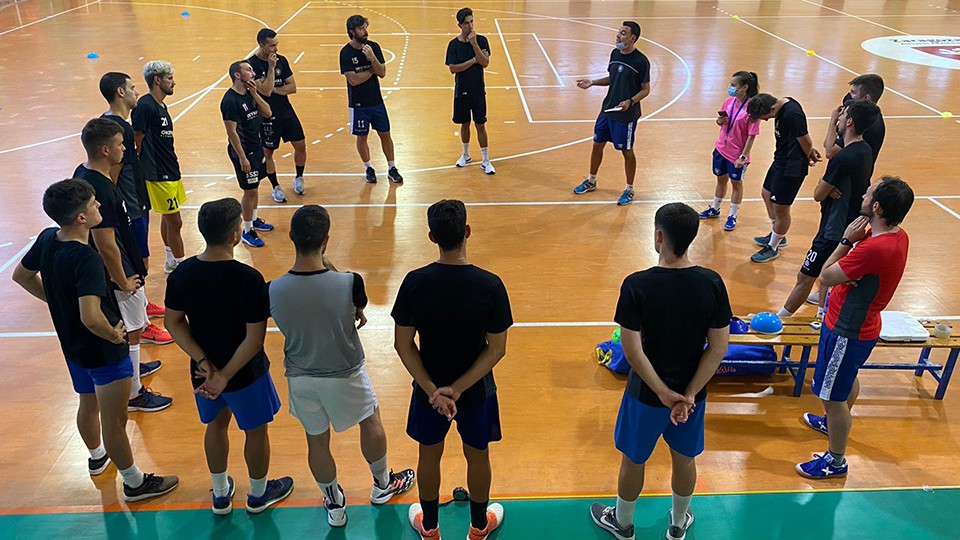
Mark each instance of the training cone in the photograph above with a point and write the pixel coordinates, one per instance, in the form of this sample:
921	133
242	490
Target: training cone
93	56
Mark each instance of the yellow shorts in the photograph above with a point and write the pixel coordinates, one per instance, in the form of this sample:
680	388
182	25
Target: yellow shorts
166	197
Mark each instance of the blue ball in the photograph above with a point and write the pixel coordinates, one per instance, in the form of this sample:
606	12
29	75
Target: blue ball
766	322
93	55
738	326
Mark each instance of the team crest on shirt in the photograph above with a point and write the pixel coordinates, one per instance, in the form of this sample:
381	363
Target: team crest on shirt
619	69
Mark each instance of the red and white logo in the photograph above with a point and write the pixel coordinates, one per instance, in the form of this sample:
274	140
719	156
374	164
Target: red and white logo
933	51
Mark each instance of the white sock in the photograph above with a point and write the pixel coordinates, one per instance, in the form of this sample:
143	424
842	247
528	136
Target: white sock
820	312
629	187
169	254
624	512
368	164
179	260
784	313
716	203
221	485
734	208
135	360
485	153
391	165
255	213
132	477
98	452
775	240
466	149
258	486
379	470
592	178
247	226
680	506
332	492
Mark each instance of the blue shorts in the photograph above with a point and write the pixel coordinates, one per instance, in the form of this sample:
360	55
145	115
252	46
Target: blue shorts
141	229
478	426
253	405
620	134
838	361
639	427
723	166
363	118
84	380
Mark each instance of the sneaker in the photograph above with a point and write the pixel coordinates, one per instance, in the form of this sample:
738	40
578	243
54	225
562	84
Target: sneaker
766	254
415	515
494	519
298	186
278	195
814	298
817	423
169	267
605	518
585	187
260	225
730	224
675	532
822	466
488	168
154	311
625	198
97	466
371	177
149	368
156	335
764	240
710	213
462	162
251	239
148	401
336	513
152	486
400	482
394	175
277	490
224	505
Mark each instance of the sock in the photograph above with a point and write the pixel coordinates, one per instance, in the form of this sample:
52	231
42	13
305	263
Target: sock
629	187
368	164
716	203
258	486
255	214
592	178
485	153
820	312
734	208
391	165
624	512
169	254
179	260
273	179
680	506
135	360
784	313
838	459
98	452
132	477
775	240
300	170
380	475
478	514
431	514
332	492
466	149
247	226
221	485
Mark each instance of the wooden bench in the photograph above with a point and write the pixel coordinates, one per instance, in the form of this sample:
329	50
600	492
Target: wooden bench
797	332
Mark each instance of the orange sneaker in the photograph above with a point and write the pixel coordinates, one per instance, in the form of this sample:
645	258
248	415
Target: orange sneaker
415	514
154	334
154	311
494	519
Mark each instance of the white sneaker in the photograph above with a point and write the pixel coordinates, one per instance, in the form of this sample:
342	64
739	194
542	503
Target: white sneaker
278	195
814	298
462	162
488	168
298	185
336	514
169	267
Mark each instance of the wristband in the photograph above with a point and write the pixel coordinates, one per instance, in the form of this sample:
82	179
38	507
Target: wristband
845	242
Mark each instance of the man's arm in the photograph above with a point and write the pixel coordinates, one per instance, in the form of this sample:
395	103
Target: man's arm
262	106
823	190
633	350
176	323
830	147
832	274
491	355
106	240
406	347
587	83
265	85
138	140
217	379
93	318
289	87
30	281
717	341
233	137
644	92
463	66
354	78
482	56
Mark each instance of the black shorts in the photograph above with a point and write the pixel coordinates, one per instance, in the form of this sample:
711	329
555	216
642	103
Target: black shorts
258	169
783	189
478	425
820	251
464	105
286	128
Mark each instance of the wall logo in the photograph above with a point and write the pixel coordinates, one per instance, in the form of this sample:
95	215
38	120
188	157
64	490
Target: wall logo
933	51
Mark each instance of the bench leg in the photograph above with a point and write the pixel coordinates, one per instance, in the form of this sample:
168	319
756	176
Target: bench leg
947	372
785	358
924	357
801	371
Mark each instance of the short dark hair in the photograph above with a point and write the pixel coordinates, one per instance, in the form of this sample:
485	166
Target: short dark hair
760	105
463	14
63	201
895	198
235	68
98	133
863	112
447	220
264	34
110	83
750	80
871	84
634	28
354	22
218	219
309	227
679	224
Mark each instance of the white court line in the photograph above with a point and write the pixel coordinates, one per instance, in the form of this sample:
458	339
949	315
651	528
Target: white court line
209	184
855	17
549	61
299	56
47	18
17	255
230	12
195	58
392	88
944	207
516	79
288	154
8	244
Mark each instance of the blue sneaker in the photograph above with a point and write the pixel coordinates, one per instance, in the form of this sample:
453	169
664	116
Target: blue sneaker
149	368
277	490
625	198
260	225
710	213
251	238
765	255
818	423
764	240
731	223
224	505
148	401
585	187
822	466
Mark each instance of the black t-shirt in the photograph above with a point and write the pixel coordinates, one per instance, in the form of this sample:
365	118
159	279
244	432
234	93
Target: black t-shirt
70	271
849	171
366	94
873	136
242	109
158	160
672	309
790	124
131	182
114	211
279	105
453	308
468	82
628	74
219	299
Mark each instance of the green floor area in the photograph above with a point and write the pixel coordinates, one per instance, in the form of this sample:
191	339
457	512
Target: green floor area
895	514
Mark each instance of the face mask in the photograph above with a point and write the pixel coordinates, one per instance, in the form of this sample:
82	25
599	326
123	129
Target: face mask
620	46
731	91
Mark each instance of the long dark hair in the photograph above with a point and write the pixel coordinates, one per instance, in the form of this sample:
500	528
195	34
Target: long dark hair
750	80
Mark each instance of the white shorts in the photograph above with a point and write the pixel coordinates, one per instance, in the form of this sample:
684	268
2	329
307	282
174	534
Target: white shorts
318	402
133	309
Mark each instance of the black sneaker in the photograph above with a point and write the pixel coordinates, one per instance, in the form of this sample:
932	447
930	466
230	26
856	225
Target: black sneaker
97	466
394	175
148	401
675	532
371	176
764	240
152	486
605	518
149	368
277	490
400	482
